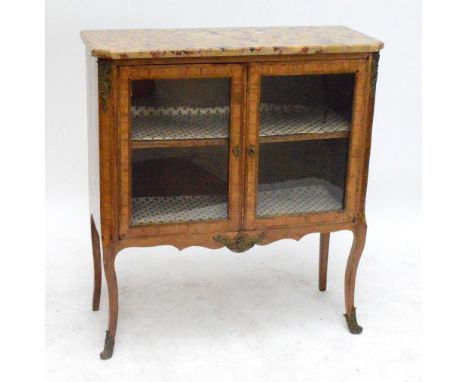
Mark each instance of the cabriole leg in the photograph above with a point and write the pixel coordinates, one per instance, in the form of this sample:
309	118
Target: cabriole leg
323	261
359	233
97	265
111	277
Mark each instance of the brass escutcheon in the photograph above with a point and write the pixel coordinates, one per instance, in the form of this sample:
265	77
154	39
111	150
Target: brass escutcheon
251	150
236	151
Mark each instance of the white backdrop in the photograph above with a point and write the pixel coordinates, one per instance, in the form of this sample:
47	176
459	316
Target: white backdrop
388	279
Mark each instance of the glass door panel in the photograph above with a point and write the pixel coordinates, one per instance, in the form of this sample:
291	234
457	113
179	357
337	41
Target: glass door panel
180	132
300	177
305	123
179	184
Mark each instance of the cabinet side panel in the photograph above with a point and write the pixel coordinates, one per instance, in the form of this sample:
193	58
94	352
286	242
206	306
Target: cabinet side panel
93	139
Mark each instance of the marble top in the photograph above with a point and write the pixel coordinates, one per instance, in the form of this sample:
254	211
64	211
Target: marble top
208	42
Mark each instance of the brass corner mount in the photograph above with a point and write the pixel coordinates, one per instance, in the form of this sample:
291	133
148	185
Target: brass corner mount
104	81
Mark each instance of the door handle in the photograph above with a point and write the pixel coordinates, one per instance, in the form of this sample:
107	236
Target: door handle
236	150
251	150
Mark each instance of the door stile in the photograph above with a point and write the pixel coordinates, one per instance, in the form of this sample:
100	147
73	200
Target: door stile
356	156
251	139
235	141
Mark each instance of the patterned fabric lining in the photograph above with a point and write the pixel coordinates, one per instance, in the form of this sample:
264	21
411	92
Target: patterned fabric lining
295	119
298	196
147	210
290	197
166	123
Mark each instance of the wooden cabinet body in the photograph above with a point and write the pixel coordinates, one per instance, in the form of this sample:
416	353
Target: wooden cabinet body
228	146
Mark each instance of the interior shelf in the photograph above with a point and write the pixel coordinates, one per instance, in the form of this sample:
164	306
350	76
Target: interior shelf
289	197
151	124
175	123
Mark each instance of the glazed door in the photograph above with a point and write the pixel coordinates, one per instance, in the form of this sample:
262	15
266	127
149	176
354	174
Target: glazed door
180	148
305	121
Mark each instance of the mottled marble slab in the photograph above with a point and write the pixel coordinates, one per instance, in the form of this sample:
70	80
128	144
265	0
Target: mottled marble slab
209	42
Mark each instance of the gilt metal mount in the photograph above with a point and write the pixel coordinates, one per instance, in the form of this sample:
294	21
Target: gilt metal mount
351	320
104	81
375	70
240	243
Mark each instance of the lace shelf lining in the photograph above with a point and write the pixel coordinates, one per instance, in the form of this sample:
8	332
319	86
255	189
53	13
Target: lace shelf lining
178	123
283	198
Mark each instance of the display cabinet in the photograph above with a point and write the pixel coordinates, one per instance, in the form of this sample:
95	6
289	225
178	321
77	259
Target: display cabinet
227	137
